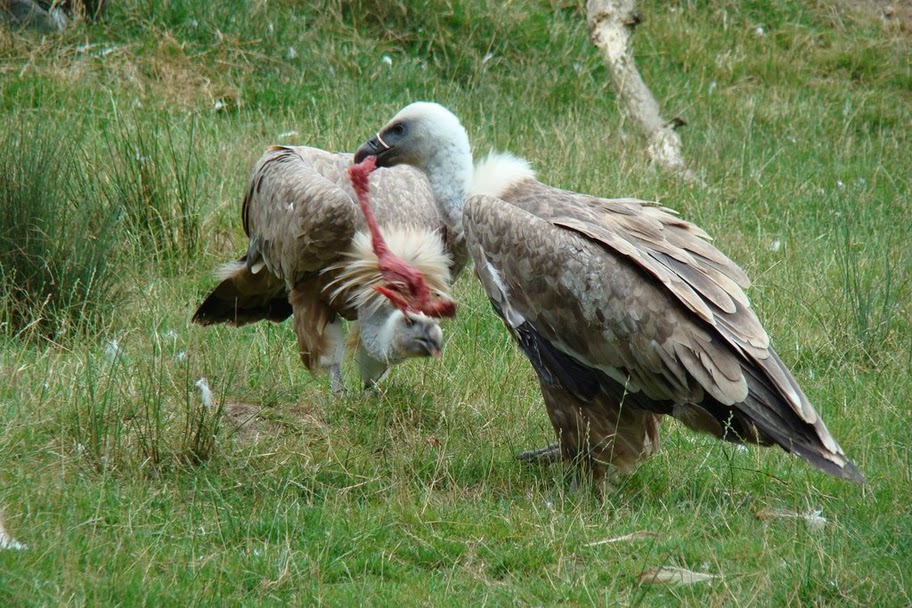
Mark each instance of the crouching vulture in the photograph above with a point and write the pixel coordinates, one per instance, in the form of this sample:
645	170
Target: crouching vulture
625	311
310	256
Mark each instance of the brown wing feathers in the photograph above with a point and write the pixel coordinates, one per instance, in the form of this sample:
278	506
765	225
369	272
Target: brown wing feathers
749	394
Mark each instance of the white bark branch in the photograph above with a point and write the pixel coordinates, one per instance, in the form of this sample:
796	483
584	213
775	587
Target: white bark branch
611	25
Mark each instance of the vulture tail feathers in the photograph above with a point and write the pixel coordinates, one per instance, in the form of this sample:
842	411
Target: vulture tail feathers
766	418
244	297
768	406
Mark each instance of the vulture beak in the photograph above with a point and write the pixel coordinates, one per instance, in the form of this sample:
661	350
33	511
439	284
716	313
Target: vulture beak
378	148
432	346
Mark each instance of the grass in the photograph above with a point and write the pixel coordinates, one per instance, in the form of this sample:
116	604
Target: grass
127	489
51	287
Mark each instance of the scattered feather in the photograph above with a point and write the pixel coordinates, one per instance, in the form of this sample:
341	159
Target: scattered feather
205	393
759	31
291	53
776	245
814	520
181	356
670	575
287	134
7	541
639	535
59	17
387	60
111	350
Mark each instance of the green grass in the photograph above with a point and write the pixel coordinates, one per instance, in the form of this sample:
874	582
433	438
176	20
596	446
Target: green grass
126	489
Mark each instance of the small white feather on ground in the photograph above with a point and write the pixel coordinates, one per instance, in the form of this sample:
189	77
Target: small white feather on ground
639	535
813	520
671	575
205	392
7	541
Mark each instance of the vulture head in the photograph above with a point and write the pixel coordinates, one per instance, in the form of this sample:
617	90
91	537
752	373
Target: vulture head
430	138
413	334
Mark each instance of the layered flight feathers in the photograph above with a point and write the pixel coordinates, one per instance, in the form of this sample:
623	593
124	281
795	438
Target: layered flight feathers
242	297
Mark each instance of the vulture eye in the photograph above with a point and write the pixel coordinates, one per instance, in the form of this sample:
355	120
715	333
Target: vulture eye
397	129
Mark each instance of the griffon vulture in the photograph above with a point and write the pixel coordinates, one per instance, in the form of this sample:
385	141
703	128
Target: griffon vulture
625	311
310	257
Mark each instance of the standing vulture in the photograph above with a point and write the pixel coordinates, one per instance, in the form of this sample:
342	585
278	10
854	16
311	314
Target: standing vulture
310	256
625	311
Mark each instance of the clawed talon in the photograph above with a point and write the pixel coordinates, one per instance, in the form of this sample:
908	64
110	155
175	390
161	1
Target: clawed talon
542	456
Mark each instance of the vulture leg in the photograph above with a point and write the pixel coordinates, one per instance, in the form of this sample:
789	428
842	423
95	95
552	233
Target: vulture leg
600	433
374	344
321	343
333	360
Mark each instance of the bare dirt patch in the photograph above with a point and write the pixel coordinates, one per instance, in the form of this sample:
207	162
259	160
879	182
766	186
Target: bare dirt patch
251	422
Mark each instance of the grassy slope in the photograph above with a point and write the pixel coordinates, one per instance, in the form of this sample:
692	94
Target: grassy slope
412	496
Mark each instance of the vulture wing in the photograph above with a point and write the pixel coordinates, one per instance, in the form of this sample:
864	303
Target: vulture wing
620	304
300	210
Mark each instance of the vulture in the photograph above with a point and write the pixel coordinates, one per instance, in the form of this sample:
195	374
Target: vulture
310	257
625	311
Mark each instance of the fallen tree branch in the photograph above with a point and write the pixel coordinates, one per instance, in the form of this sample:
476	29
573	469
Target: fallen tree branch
611	26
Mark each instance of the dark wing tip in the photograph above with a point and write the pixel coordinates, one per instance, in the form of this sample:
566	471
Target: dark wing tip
847	470
852	473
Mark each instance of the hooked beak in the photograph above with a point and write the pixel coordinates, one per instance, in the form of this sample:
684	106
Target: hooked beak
432	347
378	148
